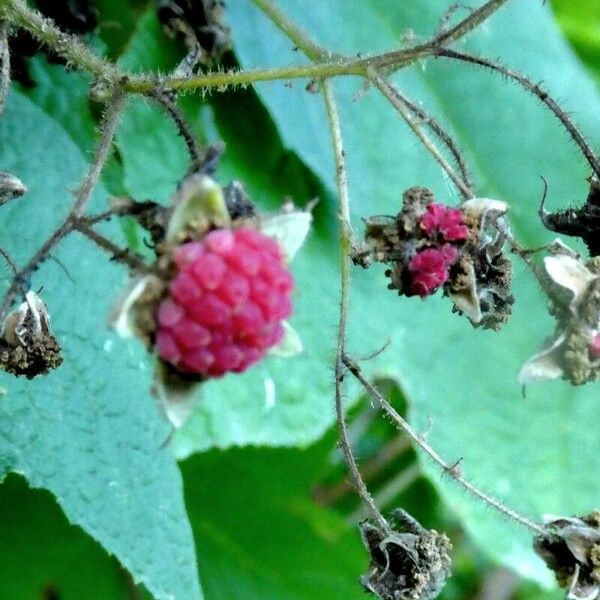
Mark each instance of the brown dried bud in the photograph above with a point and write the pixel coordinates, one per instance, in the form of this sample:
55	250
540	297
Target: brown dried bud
10	187
27	346
570	547
412	565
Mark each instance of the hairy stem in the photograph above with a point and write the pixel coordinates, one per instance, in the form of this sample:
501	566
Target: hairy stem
336	65
108	129
399	58
442	134
345	247
168	103
122	255
397	101
66	45
302	41
537	91
452	470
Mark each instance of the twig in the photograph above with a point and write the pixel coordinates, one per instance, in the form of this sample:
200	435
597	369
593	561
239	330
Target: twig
82	196
336	65
122	255
107	133
449	469
66	45
9	260
167	102
398	58
4	64
537	91
302	41
444	136
345	246
397	101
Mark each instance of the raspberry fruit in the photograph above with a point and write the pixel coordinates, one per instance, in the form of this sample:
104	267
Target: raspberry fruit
225	306
429	269
445	221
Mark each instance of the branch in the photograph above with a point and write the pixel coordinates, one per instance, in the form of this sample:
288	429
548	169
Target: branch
66	45
397	101
398	58
449	469
345	246
302	41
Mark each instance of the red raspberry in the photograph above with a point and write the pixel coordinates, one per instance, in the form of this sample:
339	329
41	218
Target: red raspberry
226	303
595	347
430	269
448	222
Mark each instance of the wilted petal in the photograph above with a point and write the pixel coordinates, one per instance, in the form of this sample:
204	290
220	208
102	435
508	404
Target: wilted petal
290	345
288	229
544	365
570	273
123	318
466	299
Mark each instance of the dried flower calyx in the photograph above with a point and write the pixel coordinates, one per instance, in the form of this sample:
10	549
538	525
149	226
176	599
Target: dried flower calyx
27	346
571	549
412	564
432	246
573	289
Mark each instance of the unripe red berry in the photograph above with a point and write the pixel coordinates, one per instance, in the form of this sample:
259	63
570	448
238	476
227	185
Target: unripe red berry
226	303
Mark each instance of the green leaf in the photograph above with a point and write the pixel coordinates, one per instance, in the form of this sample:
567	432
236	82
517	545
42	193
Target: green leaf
89	432
285	547
34	534
539	454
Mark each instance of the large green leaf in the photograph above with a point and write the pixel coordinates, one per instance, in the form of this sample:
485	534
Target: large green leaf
88	432
540	453
283	546
42	554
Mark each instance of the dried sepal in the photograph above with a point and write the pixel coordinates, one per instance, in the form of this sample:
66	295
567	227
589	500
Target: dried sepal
289	229
198	204
27	346
290	345
407	563
570	547
10	187
573	289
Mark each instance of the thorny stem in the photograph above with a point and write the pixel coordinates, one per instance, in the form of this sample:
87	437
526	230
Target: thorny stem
399	58
537	91
4	64
111	78
451	470
168	103
397	101
302	41
122	255
82	196
345	243
108	129
444	136
66	45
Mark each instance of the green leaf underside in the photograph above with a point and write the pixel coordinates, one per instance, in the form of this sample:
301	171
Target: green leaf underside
88	432
539	454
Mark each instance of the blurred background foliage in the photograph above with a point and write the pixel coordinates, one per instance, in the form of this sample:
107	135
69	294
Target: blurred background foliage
268	523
